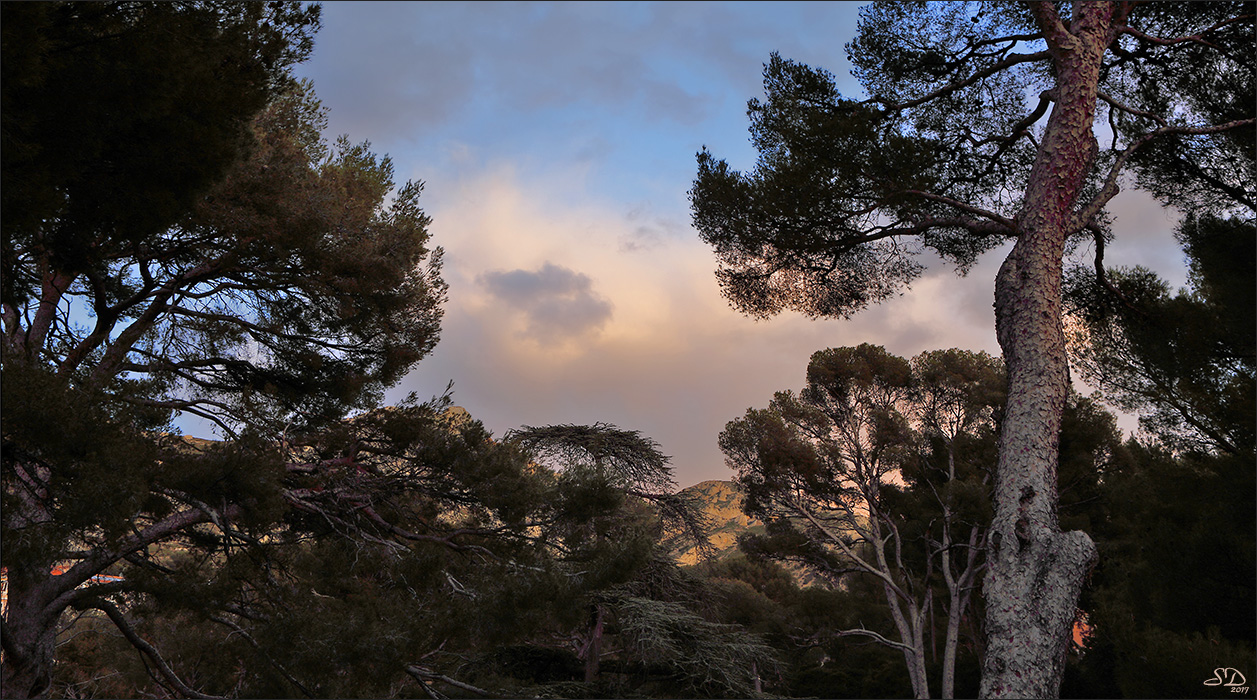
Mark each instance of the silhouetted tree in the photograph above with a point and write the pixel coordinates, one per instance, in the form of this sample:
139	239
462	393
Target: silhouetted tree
880	469
615	525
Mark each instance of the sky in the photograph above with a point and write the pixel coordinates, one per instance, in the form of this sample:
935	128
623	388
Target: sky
557	144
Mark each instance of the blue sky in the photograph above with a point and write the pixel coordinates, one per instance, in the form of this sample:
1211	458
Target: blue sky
557	144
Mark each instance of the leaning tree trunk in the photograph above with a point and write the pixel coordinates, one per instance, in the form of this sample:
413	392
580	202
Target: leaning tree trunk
1035	571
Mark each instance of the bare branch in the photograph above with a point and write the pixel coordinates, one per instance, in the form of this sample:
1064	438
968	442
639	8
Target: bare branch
1193	38
862	632
1010	38
836	539
1130	110
1006	223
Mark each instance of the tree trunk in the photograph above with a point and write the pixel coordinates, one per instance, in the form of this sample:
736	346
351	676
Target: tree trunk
954	610
912	639
958	596
29	643
30	623
37	598
593	652
1035	572
918	641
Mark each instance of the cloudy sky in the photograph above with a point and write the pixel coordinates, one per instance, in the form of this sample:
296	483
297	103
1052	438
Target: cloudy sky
557	144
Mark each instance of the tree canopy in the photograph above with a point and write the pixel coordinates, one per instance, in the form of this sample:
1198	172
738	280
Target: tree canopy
204	252
192	75
1174	589
1184	361
847	193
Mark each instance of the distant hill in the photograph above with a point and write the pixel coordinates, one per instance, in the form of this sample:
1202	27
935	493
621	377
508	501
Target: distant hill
722	502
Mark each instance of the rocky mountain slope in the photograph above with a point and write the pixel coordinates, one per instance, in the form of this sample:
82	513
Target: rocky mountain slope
722	502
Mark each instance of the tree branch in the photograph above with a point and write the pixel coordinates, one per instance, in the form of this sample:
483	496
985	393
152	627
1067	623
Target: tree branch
862	632
1110	188
1102	276
1131	110
122	345
249	638
1049	22
146	649
864	565
1194	38
254	328
195	407
61	589
53	287
974	226
990	70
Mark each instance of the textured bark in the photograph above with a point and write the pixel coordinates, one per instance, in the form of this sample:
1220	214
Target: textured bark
29	625
1035	571
921	679
949	648
31	677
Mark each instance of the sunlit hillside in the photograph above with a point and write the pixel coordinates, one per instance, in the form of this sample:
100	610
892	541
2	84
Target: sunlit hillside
722	502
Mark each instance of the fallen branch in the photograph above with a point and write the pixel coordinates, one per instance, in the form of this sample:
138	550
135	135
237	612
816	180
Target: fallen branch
423	675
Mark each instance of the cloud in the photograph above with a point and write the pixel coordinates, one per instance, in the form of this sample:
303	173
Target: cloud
557	303
646	232
366	61
401	71
568	308
407	74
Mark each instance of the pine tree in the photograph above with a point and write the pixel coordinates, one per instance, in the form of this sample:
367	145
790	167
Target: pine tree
948	154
